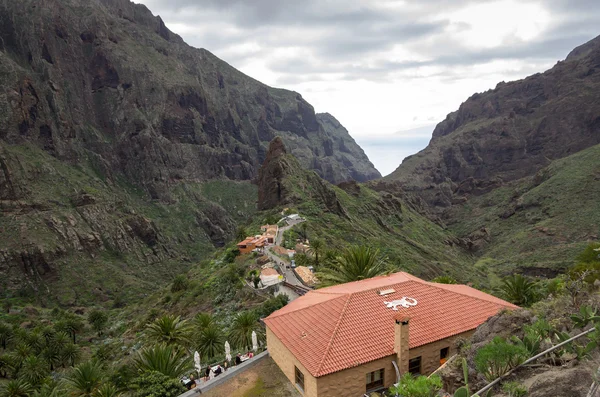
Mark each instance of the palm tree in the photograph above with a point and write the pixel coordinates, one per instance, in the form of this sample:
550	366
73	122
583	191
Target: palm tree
107	390
72	325
168	360
444	280
5	365
69	354
170	330
316	248
33	370
242	326
85	379
97	319
241	233
50	389
211	341
16	388
356	263
519	290
203	320
6	335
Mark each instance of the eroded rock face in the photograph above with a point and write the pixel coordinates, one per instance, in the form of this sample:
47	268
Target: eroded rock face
509	132
108	77
103	110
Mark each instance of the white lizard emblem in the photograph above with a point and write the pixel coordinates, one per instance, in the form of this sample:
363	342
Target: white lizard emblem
404	302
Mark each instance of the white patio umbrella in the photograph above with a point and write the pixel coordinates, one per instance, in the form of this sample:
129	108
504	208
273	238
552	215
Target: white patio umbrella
197	362
227	351
254	341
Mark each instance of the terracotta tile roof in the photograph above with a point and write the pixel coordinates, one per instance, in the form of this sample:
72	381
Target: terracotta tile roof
269	272
343	326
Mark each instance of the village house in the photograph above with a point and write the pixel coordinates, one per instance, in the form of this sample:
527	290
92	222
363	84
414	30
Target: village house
360	337
270	232
269	276
252	243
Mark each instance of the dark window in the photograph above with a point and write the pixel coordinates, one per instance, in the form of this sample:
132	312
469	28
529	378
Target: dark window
444	355
444	352
375	380
299	378
414	365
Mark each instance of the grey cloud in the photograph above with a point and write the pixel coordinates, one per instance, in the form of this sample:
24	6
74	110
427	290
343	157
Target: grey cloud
342	39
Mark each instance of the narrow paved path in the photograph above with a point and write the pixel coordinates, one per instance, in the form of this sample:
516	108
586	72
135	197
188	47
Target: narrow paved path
289	275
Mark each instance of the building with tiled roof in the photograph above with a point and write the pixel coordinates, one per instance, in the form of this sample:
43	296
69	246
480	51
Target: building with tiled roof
358	337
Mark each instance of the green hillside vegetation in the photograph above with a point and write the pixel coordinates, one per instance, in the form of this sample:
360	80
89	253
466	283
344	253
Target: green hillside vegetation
107	238
537	224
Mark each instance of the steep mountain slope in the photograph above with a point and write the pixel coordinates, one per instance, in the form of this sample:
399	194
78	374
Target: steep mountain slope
352	213
509	132
514	171
125	154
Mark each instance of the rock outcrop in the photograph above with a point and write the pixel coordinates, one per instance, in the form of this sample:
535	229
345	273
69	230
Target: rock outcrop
282	181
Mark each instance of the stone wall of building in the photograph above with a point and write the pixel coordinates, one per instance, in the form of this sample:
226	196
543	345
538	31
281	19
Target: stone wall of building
430	353
287	361
352	382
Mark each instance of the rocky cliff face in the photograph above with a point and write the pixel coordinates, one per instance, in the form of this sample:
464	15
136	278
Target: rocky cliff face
106	78
509	132
282	181
126	151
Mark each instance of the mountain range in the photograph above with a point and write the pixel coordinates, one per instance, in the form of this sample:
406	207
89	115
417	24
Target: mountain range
126	156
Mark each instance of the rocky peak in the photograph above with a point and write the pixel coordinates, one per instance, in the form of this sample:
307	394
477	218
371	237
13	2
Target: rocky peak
276	150
282	181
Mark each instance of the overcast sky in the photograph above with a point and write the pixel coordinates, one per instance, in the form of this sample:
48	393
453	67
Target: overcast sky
388	70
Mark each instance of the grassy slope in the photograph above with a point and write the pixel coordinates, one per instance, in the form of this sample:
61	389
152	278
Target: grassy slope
121	265
556	214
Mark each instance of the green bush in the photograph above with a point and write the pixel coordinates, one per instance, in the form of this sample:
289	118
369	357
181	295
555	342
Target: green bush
498	357
514	389
272	304
180	283
155	384
421	386
445	280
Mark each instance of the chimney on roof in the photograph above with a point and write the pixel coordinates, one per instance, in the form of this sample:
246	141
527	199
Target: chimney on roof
401	342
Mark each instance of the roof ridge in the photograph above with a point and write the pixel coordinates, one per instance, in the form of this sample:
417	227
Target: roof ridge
335	331
275	314
436	285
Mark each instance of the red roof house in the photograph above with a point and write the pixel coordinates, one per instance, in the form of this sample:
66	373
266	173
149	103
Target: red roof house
327	335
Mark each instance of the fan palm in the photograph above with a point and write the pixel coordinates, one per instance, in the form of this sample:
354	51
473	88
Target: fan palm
356	263
211	341
169	330
85	379
16	388
168	360
519	290
242	326
33	370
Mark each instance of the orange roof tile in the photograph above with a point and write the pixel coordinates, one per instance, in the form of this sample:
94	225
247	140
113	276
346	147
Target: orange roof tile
346	325
269	272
